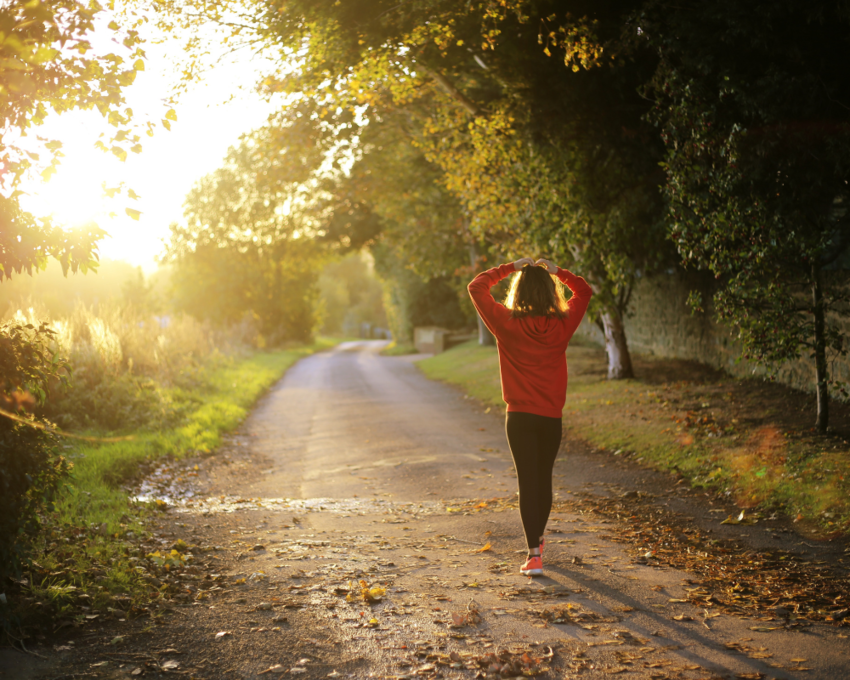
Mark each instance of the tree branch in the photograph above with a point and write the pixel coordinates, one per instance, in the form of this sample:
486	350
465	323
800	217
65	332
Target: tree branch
448	87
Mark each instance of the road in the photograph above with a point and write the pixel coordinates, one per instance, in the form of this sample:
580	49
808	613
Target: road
357	471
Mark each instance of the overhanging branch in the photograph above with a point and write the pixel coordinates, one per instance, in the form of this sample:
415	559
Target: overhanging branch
448	87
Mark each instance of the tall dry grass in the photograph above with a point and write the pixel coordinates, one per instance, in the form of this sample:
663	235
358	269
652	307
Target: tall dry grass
130	369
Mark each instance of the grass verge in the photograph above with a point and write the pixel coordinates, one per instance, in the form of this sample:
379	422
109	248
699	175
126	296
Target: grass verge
749	439
394	349
87	557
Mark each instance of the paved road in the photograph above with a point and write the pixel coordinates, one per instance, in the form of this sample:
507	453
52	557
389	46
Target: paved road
355	469
359	429
352	413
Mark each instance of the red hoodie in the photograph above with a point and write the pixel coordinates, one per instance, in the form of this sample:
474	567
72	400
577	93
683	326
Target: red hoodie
531	349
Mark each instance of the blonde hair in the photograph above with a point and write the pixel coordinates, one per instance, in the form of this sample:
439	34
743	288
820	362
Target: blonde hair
536	292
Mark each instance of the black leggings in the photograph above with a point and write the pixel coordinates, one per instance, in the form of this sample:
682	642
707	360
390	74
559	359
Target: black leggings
534	442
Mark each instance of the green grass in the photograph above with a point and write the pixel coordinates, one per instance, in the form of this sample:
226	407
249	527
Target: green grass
743	438
89	536
394	349
230	391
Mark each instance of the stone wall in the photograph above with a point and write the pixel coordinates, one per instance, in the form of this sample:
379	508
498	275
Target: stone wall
661	324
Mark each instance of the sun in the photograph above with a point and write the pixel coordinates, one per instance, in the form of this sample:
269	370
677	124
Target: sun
73	196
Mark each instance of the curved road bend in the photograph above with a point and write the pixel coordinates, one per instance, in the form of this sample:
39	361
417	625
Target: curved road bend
342	415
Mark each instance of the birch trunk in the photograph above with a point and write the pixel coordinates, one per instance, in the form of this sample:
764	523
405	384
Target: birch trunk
619	359
485	337
821	368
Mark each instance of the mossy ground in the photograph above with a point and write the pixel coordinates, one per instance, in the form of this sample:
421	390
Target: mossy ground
749	439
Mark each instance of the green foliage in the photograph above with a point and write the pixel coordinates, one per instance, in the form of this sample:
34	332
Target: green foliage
349	294
245	250
48	62
31	467
412	301
478	136
758	154
124	363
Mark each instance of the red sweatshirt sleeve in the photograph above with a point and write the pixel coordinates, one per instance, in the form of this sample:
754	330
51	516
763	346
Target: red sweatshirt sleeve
492	313
577	304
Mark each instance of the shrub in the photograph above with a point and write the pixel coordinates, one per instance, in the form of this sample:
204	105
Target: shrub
125	364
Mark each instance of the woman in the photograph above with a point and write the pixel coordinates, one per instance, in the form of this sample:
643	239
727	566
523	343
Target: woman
533	329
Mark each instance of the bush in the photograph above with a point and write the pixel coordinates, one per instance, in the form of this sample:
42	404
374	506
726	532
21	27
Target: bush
31	467
125	364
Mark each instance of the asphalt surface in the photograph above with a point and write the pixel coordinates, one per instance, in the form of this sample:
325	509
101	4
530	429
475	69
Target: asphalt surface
355	471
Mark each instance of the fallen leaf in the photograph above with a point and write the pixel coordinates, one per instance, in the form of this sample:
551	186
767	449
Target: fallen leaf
171	665
222	634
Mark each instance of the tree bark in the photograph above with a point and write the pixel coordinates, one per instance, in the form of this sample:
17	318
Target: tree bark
485	337
821	368
448	87
619	359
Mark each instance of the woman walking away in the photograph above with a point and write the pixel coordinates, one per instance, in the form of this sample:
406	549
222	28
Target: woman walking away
533	329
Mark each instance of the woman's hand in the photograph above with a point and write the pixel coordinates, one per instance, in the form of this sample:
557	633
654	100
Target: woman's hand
522	262
550	267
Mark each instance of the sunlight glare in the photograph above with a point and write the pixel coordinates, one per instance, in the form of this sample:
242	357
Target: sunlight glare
74	195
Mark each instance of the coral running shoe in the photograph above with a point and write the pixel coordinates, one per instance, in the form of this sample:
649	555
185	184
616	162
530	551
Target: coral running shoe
533	566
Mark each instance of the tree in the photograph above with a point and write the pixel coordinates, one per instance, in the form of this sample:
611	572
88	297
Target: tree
757	133
31	464
350	295
542	154
245	247
421	244
539	156
48	64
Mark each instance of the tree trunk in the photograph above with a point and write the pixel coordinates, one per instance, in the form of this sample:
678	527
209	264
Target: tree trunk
821	369
619	359
485	337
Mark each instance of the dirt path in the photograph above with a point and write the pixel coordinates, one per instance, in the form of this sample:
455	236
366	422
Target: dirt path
358	479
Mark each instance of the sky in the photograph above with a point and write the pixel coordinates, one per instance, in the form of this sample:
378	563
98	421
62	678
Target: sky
210	118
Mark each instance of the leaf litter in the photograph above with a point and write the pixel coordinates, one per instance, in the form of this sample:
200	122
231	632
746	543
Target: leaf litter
773	585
